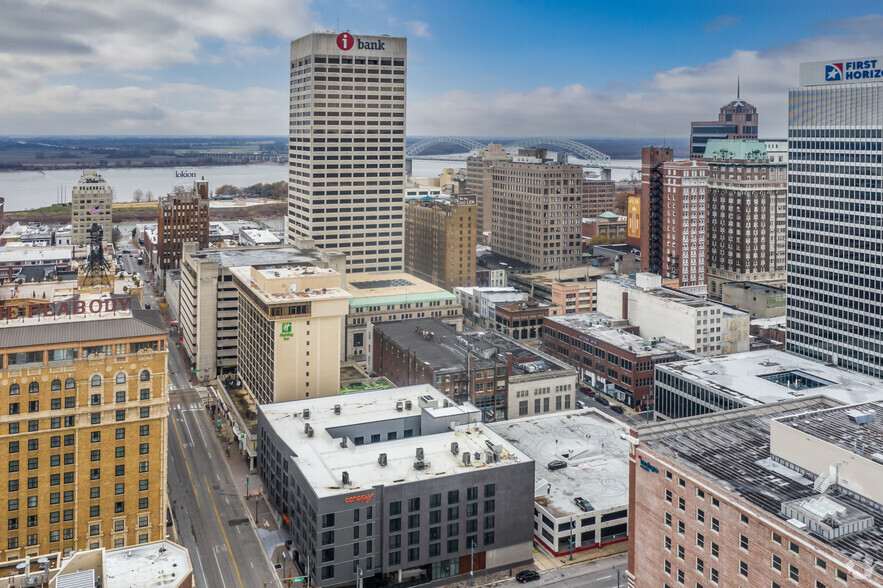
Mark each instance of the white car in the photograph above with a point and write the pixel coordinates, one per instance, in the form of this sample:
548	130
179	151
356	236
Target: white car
580	404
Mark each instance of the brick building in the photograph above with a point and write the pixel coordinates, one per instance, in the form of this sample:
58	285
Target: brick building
772	495
673	209
736	120
497	374
536	213
440	240
523	321
746	203
598	197
183	216
609	354
479	182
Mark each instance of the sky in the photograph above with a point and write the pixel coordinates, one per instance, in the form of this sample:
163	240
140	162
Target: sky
475	68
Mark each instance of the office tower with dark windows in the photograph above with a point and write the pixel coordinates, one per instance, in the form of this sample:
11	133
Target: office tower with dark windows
835	214
736	120
347	147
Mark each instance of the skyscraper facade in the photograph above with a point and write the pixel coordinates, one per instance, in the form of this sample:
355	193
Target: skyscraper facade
347	147
672	230
479	181
736	120
746	214
537	210
90	203
835	214
440	241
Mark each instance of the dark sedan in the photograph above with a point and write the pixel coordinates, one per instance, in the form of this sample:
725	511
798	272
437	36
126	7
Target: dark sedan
526	576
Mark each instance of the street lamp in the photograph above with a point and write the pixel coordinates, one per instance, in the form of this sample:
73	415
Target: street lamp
472	563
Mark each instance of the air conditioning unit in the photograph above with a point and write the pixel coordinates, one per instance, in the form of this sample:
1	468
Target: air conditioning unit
306	413
455	447
420	453
382	459
345	478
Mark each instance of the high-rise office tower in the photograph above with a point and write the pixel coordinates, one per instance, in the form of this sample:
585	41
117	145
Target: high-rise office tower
746	214
440	241
347	147
182	216
736	120
537	213
835	207
479	179
91	202
672	217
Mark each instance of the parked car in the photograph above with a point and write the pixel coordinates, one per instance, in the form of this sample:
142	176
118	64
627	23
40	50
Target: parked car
556	465
590	393
580	404
585	389
602	400
584	504
617	409
527	576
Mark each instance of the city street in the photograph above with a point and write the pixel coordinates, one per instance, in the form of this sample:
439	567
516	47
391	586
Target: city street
600	573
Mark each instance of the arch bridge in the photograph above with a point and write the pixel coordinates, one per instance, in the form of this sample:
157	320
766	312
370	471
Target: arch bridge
581	150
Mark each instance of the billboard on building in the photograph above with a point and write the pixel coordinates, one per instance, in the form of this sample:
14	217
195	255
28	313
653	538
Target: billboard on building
634	217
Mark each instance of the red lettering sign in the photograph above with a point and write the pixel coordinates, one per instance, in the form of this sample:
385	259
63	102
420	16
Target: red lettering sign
11	312
366	498
345	41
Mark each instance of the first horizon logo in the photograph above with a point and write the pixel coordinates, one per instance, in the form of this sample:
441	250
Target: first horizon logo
834	71
853	70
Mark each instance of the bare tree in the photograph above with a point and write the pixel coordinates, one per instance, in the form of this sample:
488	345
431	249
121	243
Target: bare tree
137	195
149	196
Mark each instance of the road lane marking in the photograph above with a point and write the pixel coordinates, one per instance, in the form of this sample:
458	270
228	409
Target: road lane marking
220	524
186	463
220	570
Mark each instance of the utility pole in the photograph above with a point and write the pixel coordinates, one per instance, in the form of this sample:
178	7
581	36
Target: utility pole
359	574
617	576
472	563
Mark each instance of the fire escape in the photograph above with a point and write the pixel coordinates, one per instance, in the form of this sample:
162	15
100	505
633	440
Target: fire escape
655	220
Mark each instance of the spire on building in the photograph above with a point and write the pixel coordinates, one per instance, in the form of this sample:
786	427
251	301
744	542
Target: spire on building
738	93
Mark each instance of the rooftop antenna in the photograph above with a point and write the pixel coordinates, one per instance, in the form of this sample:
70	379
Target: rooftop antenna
738	84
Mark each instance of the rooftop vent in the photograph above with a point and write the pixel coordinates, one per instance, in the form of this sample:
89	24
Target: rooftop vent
467	458
399	406
306	413
345	478
308	429
419	453
860	417
382	459
455	447
421	465
408	405
336	409
477	456
343	441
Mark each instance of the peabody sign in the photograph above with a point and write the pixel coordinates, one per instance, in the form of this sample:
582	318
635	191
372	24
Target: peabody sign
71	307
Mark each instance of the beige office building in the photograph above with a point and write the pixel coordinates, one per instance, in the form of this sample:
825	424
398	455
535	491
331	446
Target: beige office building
440	241
537	213
291	327
479	181
347	147
90	203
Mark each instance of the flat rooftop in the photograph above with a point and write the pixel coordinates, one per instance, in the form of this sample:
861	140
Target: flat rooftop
441	347
765	323
323	461
299	292
585	273
669	294
839	427
161	564
594	325
242	256
494	261
756	287
732	450
33	255
770	375
388	288
595	448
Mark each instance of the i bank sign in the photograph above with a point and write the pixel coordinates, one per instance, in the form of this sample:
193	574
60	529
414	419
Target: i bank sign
846	71
346	41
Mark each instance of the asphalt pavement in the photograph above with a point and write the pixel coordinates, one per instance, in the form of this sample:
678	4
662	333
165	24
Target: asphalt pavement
599	573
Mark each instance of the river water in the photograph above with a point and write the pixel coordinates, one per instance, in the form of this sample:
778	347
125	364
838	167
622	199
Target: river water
30	189
25	190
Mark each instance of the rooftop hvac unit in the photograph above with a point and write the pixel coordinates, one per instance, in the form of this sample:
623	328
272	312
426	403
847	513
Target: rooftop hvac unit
382	459
336	409
308	429
455	447
467	458
489	456
306	413
419	453
421	465
407	405
343	441
399	406
345	478
477	456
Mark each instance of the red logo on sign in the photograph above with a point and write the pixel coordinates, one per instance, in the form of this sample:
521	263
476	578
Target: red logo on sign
345	41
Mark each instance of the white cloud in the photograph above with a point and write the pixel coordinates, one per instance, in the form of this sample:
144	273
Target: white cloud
665	104
722	23
417	28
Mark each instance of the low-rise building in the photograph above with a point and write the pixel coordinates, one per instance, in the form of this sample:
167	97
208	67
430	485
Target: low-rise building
608	227
481	303
219	233
759	300
258	237
13	259
709	328
622	259
583	505
523	321
784	494
379	297
124	567
769	328
609	354
712	384
574	290
209	302
598	196
395	485
501	376
493	269
291	329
